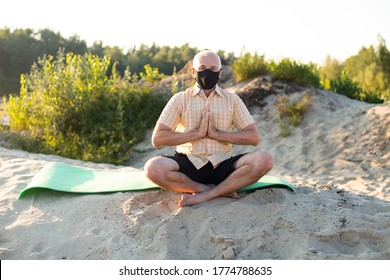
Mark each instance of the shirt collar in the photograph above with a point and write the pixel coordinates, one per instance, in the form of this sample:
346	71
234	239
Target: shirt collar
196	89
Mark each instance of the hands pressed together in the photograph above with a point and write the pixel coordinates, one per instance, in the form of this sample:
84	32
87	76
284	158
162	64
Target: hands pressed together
207	127
165	136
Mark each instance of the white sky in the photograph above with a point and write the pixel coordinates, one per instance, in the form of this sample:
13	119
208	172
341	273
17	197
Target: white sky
305	30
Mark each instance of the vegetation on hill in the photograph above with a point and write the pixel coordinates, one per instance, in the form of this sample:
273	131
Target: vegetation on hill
290	113
364	76
69	106
249	66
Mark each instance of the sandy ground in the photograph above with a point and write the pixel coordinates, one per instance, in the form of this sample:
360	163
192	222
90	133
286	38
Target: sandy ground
338	159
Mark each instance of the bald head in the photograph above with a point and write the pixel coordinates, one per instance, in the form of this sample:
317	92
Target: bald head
206	60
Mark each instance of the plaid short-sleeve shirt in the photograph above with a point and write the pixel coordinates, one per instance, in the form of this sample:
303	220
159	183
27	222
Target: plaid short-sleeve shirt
184	112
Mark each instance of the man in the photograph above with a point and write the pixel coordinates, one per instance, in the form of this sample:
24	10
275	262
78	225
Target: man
200	122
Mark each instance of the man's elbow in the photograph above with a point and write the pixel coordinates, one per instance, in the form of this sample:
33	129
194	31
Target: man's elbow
156	143
256	141
253	135
256	138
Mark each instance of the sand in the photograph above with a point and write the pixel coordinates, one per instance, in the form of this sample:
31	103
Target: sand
338	159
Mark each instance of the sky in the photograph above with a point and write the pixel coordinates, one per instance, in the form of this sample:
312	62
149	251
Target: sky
304	30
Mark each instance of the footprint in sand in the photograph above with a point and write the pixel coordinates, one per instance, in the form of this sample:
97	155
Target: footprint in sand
151	206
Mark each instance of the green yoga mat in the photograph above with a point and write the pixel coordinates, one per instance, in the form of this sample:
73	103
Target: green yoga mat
68	178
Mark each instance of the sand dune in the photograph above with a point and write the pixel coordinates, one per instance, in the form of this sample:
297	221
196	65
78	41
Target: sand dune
338	159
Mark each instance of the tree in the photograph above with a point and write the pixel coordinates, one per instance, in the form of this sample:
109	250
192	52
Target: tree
76	45
117	56
20	48
370	68
331	68
18	51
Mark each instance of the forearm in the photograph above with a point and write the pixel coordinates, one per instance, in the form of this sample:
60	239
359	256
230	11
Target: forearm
236	137
247	136
171	138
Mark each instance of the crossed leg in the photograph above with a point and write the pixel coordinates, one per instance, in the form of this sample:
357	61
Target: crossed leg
164	172
248	170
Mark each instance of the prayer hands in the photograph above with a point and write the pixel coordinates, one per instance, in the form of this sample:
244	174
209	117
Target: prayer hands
207	127
204	124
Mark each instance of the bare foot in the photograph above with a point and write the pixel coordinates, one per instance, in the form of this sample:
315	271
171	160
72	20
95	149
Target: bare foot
233	195
188	200
192	199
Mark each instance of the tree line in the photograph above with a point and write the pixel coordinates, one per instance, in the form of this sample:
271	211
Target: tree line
20	48
367	72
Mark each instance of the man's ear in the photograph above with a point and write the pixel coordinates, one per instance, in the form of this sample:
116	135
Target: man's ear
220	73
193	73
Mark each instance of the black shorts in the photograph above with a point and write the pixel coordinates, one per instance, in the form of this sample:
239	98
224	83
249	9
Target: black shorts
206	174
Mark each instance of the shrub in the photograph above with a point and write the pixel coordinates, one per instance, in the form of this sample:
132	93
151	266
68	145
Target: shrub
248	66
291	113
151	74
291	71
346	86
74	109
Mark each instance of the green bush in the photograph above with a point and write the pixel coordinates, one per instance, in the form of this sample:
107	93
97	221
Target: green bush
292	71
346	86
291	113
72	108
151	74
248	66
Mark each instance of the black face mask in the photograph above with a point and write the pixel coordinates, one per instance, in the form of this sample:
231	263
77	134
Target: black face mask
207	79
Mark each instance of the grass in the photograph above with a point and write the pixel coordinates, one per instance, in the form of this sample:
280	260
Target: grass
290	114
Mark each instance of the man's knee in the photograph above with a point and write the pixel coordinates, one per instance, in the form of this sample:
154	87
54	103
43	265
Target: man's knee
151	168
158	167
263	162
268	161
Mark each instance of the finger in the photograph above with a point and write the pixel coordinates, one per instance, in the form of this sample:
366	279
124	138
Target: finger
206	107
